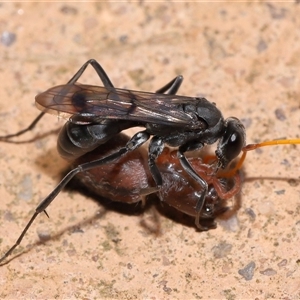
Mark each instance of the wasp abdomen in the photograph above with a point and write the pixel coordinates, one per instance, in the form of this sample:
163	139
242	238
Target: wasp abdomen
75	140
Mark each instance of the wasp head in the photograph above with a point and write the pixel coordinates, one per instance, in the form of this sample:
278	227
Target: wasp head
231	143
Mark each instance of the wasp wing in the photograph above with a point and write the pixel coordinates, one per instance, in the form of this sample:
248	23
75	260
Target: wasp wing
103	103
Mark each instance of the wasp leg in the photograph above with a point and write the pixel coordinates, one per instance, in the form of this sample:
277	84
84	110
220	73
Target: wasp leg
172	87
99	70
30	127
189	169
156	147
136	141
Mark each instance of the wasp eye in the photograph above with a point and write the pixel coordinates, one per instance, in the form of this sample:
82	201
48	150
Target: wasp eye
232	142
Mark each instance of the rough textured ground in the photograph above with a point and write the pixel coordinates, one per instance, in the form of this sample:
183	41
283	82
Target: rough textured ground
245	57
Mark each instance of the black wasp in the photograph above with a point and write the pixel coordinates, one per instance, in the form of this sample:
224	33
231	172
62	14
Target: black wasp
96	114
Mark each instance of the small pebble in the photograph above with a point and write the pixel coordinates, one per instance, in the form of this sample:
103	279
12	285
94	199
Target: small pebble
248	271
7	38
268	272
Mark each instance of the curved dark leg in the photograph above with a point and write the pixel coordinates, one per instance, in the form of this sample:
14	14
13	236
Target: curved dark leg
172	87
189	169
136	141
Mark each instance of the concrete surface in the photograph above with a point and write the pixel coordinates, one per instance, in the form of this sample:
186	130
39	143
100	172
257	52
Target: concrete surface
243	56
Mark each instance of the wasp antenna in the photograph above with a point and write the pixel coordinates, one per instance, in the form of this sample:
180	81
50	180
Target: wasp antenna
271	143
